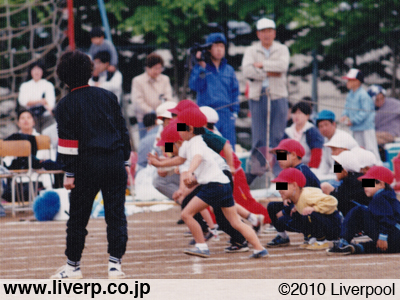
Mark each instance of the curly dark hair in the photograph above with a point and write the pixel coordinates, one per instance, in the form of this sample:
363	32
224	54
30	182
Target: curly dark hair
74	68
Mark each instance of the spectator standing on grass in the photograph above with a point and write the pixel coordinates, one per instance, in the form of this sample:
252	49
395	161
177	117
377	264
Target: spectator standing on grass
150	89
359	112
216	85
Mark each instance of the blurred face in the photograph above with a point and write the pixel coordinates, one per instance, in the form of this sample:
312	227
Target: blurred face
166	122
98	40
288	194
36	73
155	70
266	36
379	100
353	84
26	122
341	175
299	118
289	161
327	128
370	191
186	135
217	51
99	66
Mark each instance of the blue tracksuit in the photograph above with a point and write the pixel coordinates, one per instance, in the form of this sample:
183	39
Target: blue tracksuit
380	221
219	89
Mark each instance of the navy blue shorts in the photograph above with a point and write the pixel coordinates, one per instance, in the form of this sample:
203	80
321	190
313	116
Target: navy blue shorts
216	194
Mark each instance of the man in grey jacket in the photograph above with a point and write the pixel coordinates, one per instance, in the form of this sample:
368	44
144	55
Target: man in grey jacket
265	65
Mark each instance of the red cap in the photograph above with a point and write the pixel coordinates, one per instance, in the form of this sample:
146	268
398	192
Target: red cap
291	175
182	105
379	173
290	146
192	117
169	134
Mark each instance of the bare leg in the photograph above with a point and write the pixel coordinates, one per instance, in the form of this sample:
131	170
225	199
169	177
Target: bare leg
194	206
249	234
207	217
244	213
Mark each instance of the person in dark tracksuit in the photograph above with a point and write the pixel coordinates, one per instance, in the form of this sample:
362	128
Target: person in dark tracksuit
94	147
380	220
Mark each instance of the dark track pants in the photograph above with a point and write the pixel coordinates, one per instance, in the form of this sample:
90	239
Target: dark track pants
105	172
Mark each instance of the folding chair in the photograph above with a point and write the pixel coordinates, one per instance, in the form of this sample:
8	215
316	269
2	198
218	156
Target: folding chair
18	149
43	142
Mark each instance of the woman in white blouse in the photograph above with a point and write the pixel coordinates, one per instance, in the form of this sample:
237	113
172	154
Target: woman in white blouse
38	96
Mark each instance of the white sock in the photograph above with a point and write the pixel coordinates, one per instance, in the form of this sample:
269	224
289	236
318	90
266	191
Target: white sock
322	242
214	231
283	234
202	246
252	218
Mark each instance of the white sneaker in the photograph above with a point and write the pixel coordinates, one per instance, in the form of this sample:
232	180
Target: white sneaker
114	271
68	272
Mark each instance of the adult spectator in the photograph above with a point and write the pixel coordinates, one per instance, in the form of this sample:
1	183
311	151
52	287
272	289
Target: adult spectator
359	112
99	43
217	86
150	89
146	145
387	115
38	96
265	65
111	81
328	128
306	133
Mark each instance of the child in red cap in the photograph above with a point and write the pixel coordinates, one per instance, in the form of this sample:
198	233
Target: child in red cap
215	188
289	154
314	214
380	220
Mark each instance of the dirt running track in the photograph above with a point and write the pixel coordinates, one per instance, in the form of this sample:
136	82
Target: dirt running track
34	250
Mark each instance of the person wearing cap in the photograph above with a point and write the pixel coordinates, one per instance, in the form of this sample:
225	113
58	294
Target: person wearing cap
265	66
289	154
150	89
328	128
99	43
359	112
306	133
380	220
247	207
387	115
215	188
313	213
350	192
111	81
216	86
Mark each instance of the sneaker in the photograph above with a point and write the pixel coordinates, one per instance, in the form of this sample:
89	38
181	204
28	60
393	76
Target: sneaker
260	223
197	252
278	241
236	247
318	246
114	271
210	236
262	254
68	272
345	250
269	229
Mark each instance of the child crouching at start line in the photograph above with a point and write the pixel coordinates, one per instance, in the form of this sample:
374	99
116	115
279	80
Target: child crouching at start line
380	220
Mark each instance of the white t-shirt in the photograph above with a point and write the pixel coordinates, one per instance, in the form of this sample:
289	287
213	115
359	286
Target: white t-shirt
208	170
